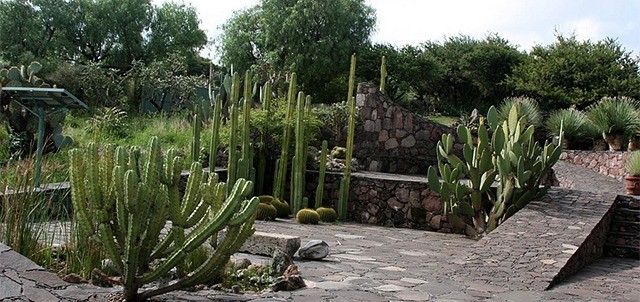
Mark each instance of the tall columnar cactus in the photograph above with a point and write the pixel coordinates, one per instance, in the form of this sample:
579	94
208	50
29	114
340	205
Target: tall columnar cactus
123	200
346	179
283	164
323	169
262	156
245	163
195	135
383	74
299	158
234	154
510	156
216	121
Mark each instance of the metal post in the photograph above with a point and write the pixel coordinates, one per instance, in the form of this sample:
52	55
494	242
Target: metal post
40	113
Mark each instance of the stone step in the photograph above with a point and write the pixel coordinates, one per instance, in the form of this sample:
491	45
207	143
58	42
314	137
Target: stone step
566	230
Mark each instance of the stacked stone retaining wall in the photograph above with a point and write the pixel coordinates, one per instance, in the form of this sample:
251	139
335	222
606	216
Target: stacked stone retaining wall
390	138
609	163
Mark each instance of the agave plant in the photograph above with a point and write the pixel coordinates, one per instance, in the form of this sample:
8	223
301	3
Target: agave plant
527	107
632	163
616	118
574	123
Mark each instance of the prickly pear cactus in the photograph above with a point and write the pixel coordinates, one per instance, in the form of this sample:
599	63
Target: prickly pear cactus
509	157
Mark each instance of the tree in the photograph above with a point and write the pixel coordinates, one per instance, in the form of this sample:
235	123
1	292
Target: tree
313	38
570	72
115	33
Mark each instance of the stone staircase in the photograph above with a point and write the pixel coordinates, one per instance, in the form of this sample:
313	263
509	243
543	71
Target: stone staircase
623	239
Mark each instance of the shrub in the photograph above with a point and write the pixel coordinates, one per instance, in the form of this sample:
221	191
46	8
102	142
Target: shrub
527	107
632	163
616	118
575	124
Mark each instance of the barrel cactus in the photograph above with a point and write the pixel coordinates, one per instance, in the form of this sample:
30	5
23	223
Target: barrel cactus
308	216
327	214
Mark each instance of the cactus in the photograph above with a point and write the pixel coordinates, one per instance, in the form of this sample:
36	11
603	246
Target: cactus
283	163
307	216
195	134
383	74
262	156
299	159
266	212
282	206
327	214
510	156
216	121
123	200
346	179
323	169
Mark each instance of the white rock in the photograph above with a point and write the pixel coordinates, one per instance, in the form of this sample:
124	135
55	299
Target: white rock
314	250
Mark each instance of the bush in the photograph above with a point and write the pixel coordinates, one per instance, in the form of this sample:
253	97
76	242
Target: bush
632	163
527	107
575	125
616	118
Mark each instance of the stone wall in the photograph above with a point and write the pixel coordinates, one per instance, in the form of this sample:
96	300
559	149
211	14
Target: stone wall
385	199
624	235
610	163
391	139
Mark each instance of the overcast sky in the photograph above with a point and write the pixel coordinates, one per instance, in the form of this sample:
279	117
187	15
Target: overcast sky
524	23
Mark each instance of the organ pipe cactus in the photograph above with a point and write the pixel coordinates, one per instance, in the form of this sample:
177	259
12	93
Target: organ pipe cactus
195	135
323	169
299	159
509	156
383	74
283	163
346	179
216	121
123	200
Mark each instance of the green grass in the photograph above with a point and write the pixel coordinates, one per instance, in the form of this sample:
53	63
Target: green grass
443	119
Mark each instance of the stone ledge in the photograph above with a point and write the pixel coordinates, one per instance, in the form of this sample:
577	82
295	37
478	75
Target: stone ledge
265	244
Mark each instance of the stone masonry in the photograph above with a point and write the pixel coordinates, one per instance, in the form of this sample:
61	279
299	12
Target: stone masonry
392	139
610	163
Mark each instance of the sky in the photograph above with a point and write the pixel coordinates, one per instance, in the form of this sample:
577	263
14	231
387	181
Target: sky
524	23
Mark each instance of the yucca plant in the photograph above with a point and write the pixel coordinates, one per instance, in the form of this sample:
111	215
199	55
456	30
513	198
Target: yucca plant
526	107
574	123
617	118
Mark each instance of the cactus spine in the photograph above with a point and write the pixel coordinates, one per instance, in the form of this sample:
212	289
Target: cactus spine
123	200
346	179
323	169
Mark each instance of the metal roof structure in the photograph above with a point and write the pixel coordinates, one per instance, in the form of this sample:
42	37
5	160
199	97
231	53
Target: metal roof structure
42	102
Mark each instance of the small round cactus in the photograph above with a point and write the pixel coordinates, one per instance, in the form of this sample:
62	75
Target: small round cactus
266	212
327	214
307	216
266	199
282	206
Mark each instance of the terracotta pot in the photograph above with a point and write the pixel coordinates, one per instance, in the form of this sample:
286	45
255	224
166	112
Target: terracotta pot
599	145
614	140
632	184
634	143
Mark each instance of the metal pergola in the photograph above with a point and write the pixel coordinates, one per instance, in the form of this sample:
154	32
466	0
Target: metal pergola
42	102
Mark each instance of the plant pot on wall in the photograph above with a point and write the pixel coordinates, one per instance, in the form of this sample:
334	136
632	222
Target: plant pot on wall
632	184
634	143
600	145
614	140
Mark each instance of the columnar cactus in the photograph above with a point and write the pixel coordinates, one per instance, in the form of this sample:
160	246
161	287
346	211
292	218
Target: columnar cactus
124	200
299	159
323	169
216	121
346	179
383	74
510	156
283	163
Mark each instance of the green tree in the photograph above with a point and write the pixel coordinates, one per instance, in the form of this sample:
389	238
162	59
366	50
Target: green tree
115	33
571	72
313	38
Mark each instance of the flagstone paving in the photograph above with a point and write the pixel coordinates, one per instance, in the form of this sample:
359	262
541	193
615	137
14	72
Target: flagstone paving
525	259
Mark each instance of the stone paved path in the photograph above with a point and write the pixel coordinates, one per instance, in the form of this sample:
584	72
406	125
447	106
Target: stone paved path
370	263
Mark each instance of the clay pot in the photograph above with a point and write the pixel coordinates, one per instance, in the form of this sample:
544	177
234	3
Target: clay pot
600	145
632	183
634	143
614	140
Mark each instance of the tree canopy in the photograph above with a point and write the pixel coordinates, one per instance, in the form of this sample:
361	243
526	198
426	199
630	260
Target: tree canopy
110	32
571	72
313	38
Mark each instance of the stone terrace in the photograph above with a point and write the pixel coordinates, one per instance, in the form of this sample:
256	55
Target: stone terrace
537	248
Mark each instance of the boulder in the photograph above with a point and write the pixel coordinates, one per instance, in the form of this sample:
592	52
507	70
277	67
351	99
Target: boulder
314	250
